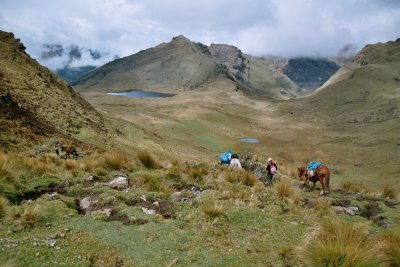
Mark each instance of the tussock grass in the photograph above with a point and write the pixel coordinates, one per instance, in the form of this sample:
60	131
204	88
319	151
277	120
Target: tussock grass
100	171
37	165
388	247
323	206
389	193
147	160
3	207
71	165
211	209
240	176
352	187
197	172
284	188
337	243
7	167
26	216
115	160
153	183
90	163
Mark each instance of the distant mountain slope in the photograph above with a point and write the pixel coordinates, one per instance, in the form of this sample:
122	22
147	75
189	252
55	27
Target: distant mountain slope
34	102
310	73
70	74
182	65
173	67
360	107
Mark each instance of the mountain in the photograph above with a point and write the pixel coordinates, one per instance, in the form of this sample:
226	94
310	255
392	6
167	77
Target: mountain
35	103
182	65
310	73
70	74
358	111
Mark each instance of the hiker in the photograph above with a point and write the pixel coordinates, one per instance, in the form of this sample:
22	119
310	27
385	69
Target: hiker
225	158
271	169
235	162
311	167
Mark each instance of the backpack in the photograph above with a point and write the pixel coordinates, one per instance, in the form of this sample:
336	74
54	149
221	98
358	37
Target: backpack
224	157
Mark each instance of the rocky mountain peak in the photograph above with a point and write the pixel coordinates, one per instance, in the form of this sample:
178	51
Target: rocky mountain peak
180	39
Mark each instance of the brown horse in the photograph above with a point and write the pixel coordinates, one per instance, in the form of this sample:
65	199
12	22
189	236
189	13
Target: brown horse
69	151
321	174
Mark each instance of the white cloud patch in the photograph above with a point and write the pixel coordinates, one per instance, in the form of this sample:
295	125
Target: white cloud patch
258	27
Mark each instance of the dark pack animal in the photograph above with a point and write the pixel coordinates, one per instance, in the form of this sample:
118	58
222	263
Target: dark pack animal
321	174
70	151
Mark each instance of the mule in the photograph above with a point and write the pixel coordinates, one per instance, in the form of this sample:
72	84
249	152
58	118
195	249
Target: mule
70	151
321	174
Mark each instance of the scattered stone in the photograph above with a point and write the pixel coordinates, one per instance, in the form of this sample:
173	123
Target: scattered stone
148	211
294	223
53	196
85	204
50	242
156	203
351	210
143	197
176	196
119	183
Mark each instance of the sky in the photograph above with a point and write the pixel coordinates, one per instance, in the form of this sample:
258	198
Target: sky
93	32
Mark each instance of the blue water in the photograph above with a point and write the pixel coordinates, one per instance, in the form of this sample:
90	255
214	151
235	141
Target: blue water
249	140
141	94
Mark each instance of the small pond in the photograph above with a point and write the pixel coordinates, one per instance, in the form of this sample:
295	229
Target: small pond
141	94
249	140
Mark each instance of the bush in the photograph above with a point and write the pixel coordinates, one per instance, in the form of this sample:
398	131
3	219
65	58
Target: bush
337	243
147	160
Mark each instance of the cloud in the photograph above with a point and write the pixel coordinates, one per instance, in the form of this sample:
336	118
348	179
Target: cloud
258	27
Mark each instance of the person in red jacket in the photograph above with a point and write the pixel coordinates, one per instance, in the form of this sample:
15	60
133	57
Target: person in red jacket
271	168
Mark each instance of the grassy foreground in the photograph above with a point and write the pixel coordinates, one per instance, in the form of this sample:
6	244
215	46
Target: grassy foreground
204	215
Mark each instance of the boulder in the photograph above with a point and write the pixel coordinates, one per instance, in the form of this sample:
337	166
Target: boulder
119	183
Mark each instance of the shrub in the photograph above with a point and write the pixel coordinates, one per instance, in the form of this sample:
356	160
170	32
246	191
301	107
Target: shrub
147	160
389	193
3	207
100	171
115	160
337	243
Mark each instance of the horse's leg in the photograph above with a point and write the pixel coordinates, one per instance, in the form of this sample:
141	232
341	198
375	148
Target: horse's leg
321	180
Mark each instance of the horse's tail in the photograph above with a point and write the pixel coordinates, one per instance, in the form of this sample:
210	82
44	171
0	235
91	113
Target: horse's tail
328	174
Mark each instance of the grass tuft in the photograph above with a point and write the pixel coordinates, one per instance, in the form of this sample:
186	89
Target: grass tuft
147	160
240	176
388	246
352	187
389	192
7	167
337	243
283	188
3	207
115	160
212	209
